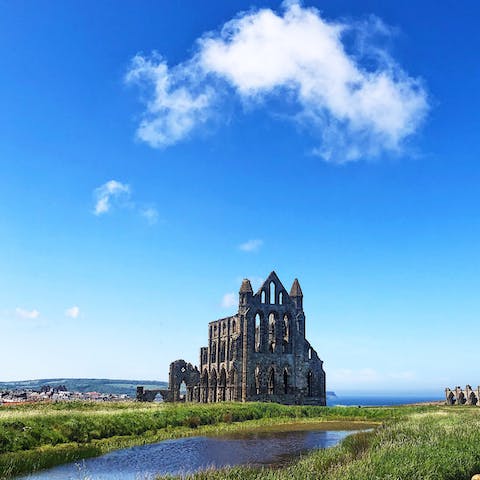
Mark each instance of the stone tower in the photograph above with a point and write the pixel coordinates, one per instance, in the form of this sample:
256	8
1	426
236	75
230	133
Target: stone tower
258	354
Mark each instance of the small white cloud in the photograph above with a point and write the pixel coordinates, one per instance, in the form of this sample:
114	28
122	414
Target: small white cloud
229	300
251	245
72	312
116	193
26	314
150	214
109	192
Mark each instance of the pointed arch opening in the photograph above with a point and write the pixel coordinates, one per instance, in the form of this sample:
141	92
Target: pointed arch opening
272	289
222	386
271	333
263	297
258	333
280	298
286	334
258	381
286	381
213	386
182	391
232	384
271	381
213	353
310	384
204	387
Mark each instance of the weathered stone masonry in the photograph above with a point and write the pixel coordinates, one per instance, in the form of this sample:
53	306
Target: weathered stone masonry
259	354
460	396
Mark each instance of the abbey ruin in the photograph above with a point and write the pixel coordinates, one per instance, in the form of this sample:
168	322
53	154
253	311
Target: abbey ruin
258	354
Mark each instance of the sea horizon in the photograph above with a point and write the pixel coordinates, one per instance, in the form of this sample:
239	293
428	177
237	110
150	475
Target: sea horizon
382	399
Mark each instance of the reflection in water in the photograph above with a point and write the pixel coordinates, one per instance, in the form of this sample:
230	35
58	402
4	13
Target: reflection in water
186	455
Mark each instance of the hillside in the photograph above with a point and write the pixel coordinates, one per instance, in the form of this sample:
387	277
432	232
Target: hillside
101	385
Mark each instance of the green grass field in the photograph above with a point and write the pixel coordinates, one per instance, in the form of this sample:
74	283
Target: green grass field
421	442
438	443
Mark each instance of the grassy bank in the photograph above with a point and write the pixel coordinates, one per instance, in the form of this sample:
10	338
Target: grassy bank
38	436
440	443
411	442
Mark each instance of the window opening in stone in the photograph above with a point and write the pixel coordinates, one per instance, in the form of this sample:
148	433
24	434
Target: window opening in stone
213	353
285	381
232	384
272	293
263	296
213	387
183	392
309	353
286	335
222	352
271	382
309	384
271	333
222	388
257	333
280	298
204	385
257	381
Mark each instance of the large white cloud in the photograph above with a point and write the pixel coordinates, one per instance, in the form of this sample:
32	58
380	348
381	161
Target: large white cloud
347	92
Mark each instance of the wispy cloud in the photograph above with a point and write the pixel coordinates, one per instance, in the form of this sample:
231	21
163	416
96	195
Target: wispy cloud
25	314
251	245
229	300
72	312
150	214
109	193
345	90
118	194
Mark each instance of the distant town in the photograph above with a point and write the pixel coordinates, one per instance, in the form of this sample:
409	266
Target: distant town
70	389
56	394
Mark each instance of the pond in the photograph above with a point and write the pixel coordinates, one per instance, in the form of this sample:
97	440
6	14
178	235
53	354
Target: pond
274	447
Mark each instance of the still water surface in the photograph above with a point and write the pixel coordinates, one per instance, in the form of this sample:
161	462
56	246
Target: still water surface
185	455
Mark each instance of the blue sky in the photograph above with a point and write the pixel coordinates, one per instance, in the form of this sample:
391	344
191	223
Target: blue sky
153	154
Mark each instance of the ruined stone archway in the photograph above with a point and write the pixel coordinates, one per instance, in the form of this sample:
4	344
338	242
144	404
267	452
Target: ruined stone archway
182	372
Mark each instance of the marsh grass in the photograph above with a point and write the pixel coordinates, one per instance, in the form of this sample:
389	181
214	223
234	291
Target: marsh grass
440	444
39	436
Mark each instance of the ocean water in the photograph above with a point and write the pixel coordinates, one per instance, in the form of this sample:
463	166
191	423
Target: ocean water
379	400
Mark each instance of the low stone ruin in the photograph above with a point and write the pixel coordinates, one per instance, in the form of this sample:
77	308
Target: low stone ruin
460	396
